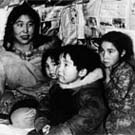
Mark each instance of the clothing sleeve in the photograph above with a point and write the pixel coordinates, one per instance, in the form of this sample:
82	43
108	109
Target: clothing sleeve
121	100
121	84
86	121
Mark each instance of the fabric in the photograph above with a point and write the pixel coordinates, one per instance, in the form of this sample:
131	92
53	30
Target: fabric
10	130
120	94
68	27
17	72
81	110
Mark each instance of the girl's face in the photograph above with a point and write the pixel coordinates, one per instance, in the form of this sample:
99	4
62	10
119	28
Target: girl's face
51	68
109	54
67	71
23	30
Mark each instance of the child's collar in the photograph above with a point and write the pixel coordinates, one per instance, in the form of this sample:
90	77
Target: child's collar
90	78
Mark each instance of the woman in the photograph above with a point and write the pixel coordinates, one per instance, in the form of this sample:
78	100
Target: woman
24	47
116	53
20	60
21	41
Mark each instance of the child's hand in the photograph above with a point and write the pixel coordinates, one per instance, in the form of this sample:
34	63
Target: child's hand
40	123
46	129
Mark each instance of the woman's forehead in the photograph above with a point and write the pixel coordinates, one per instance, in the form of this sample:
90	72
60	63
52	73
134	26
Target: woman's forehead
24	17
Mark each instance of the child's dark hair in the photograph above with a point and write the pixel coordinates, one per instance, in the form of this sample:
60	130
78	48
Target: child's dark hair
53	54
121	41
83	57
30	103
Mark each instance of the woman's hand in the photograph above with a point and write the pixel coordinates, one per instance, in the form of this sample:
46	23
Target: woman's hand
108	73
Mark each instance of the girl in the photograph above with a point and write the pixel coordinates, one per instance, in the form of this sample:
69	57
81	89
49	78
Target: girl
116	53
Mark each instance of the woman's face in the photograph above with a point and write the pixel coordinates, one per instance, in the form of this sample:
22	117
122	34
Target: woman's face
23	30
109	54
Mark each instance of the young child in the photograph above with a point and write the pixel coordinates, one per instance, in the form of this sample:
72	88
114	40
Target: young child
50	62
21	118
78	110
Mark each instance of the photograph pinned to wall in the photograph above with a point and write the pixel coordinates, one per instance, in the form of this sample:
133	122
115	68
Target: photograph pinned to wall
105	23
118	22
92	21
114	14
50	17
92	32
92	24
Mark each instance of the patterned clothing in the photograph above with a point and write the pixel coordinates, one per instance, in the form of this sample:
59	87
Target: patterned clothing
120	95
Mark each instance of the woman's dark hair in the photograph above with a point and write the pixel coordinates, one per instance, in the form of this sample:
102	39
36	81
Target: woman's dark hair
121	41
17	11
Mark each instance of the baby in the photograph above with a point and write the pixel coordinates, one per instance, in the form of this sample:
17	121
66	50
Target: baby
21	118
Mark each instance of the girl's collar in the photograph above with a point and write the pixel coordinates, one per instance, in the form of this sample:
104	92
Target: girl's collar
116	65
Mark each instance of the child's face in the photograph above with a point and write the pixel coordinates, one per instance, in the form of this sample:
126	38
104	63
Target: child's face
109	54
51	68
67	71
23	117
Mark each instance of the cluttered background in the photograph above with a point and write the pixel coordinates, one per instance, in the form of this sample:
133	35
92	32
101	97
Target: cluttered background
77	19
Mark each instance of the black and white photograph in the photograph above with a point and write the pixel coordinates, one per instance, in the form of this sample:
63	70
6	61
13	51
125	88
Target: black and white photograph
67	67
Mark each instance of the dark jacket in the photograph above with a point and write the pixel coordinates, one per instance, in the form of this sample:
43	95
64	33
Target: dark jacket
81	110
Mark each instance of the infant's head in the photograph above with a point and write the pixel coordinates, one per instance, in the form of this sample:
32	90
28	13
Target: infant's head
23	113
